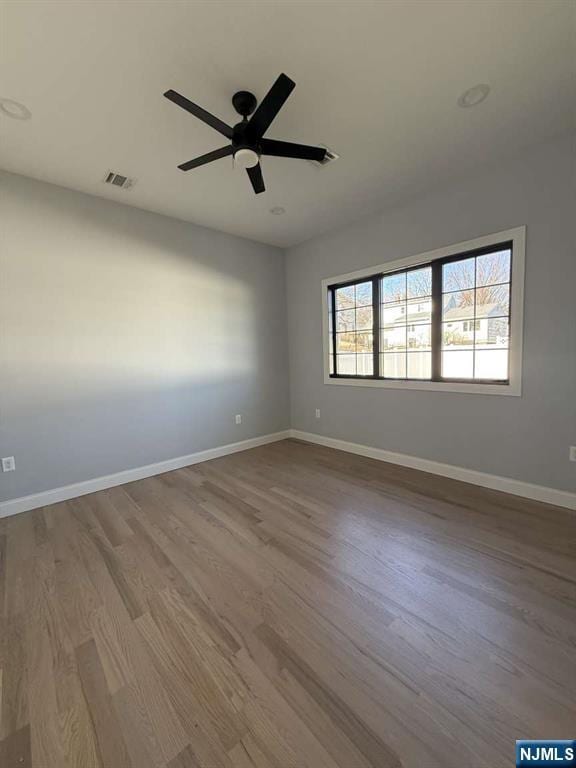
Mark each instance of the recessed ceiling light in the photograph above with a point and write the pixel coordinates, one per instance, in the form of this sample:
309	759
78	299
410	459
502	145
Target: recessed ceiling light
14	109
474	95
277	210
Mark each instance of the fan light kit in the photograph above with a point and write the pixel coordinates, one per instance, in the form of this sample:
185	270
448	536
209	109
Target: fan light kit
247	137
246	158
14	109
474	95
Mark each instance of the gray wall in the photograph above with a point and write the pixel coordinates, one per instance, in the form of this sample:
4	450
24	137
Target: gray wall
526	437
128	338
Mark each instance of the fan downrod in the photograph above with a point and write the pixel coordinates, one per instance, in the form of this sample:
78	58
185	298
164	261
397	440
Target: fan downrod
244	103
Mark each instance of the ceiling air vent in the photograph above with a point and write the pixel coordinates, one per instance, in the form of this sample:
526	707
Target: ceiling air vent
329	157
118	180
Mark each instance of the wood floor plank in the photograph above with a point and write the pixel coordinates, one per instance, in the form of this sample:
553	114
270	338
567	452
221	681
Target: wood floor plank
110	740
41	640
374	749
78	737
291	606
2	572
15	685
184	759
15	751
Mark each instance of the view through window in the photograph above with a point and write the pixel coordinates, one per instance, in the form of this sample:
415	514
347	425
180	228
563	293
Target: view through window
406	324
448	320
475	317
354	336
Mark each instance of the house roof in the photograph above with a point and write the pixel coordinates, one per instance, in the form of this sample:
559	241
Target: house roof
485	310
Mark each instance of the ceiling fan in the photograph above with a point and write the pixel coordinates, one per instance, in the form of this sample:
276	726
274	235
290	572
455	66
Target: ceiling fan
247	136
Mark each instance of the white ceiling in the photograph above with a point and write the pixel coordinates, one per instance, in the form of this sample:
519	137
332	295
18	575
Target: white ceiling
375	81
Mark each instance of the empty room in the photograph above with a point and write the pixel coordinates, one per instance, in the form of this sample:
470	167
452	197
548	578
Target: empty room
287	384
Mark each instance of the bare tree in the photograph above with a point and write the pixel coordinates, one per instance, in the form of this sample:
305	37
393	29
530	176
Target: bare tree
490	272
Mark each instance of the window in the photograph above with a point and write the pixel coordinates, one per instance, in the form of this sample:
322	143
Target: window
476	288
405	324
450	319
353	335
468	326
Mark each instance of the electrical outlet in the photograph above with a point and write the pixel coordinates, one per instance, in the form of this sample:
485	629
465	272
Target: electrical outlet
238	418
317	413
8	464
572	453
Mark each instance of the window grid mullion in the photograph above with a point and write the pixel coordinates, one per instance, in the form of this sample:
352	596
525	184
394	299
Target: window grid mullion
436	330
474	326
376	325
333	301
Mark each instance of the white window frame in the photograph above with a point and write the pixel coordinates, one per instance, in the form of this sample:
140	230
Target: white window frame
514	386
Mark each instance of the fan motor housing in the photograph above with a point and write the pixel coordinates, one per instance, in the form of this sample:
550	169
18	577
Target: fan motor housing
240	140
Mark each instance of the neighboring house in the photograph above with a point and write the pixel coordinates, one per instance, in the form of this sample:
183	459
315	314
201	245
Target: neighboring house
411	327
490	328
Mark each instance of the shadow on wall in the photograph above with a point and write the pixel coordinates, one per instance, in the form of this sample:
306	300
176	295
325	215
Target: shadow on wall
130	337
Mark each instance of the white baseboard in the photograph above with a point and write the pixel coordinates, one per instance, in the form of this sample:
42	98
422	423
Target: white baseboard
53	496
497	483
505	484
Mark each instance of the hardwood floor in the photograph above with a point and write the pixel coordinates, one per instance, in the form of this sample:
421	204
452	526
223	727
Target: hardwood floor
291	606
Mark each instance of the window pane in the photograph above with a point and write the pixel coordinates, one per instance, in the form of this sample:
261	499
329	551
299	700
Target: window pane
393	339
459	335
345	320
345	297
345	342
458	305
363	342
491	364
419	337
457	365
363	294
364	320
394	314
365	365
492	333
493	268
492	301
346	364
393	366
419	311
419	365
419	282
394	287
458	275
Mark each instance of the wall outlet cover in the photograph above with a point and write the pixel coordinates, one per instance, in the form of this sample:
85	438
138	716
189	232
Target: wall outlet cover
238	418
572	453
8	464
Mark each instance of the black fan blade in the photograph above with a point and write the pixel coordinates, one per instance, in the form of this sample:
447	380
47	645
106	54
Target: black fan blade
269	107
207	158
288	149
201	114
255	174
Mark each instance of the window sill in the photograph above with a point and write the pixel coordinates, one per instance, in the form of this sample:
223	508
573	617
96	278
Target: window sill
512	389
